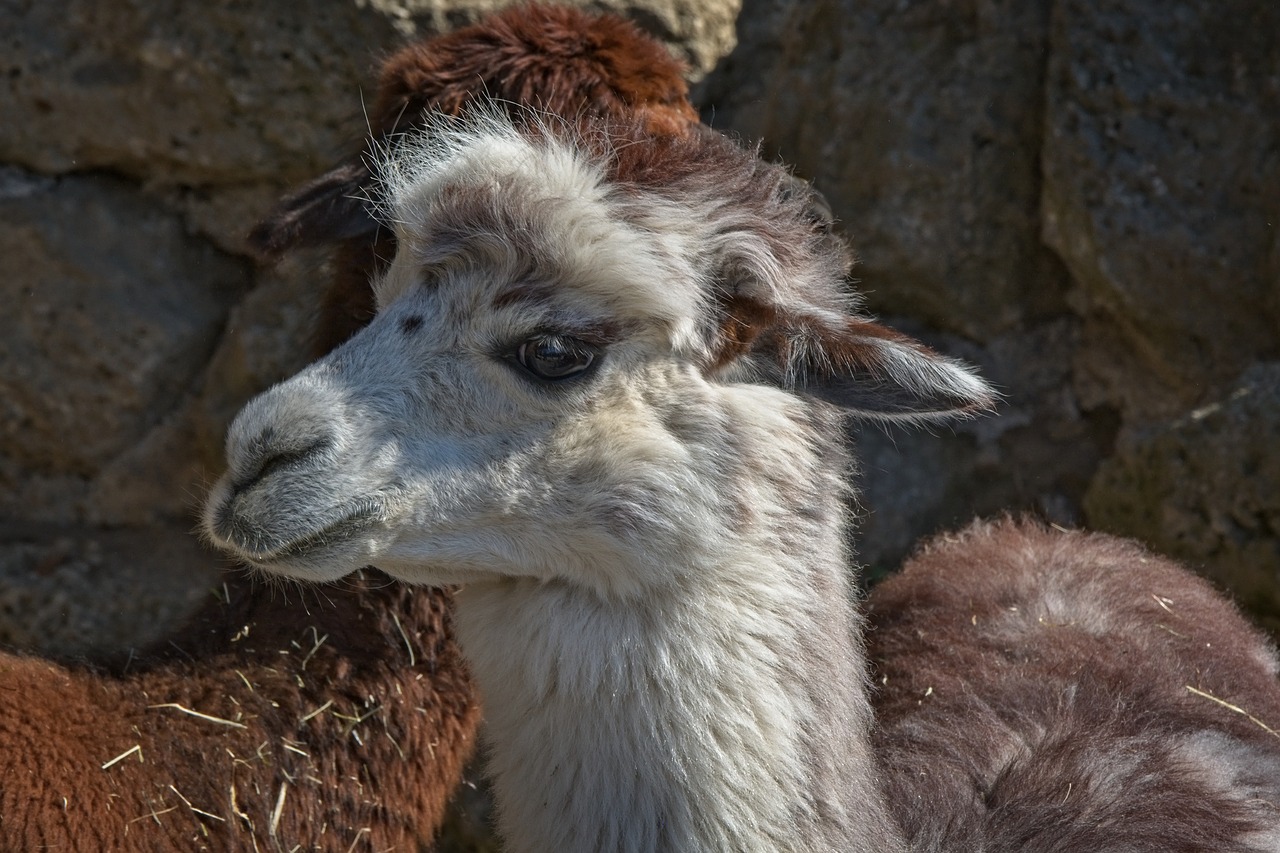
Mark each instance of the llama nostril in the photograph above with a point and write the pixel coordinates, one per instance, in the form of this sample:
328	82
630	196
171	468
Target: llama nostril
270	461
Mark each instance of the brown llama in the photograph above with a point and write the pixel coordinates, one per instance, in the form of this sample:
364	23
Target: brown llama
1045	691
278	719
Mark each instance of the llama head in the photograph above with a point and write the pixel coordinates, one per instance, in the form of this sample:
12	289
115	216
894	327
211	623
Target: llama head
574	317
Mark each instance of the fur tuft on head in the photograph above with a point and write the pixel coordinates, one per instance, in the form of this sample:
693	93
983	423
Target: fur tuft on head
531	61
552	59
743	248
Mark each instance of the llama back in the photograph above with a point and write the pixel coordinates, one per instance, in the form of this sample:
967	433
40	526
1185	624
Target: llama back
1111	700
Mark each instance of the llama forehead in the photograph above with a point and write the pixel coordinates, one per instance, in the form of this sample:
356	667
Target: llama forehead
534	220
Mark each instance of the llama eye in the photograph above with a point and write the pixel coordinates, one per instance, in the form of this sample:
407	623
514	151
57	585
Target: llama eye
555	357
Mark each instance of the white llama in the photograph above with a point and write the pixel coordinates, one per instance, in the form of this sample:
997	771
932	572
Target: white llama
575	401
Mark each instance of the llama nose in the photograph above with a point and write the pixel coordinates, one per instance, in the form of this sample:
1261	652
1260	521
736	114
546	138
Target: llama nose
279	431
268	455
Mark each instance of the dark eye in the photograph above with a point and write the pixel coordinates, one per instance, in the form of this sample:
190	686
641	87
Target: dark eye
555	357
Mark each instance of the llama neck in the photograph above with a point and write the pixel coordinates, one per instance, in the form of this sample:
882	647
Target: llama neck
727	711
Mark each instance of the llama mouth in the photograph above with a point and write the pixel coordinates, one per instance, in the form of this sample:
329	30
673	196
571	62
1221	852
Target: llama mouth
263	547
326	538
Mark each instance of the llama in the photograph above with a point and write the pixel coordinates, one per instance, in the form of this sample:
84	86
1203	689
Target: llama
558	60
574	401
274	721
180	769
1059	691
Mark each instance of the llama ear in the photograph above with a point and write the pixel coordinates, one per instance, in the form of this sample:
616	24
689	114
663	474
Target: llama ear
868	369
328	209
878	373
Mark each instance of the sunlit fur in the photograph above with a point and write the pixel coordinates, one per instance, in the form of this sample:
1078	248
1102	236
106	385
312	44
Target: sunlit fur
656	600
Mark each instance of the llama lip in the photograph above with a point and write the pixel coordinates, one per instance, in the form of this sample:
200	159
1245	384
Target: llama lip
337	532
263	547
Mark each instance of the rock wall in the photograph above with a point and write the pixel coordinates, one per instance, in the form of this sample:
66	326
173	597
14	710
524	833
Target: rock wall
1080	196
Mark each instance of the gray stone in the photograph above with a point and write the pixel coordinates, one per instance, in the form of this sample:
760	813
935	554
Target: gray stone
161	478
920	122
230	93
1005	169
1162	193
64	588
1035	454
112	312
216	110
1205	487
166	92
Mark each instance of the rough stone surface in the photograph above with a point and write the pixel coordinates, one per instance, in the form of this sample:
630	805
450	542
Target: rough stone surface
1105	170
1035	454
1205	487
112	313
1162	192
1082	197
234	93
215	112
63	587
920	123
